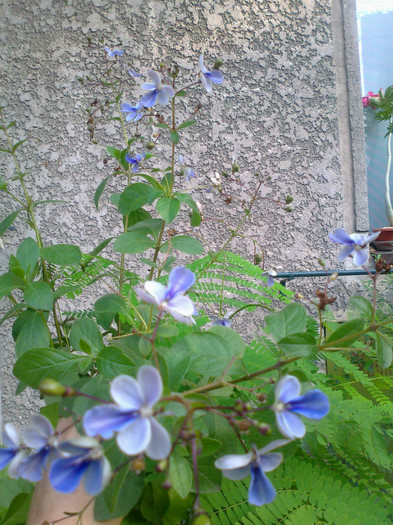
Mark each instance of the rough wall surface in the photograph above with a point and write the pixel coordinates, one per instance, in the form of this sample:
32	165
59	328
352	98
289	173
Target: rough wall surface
275	114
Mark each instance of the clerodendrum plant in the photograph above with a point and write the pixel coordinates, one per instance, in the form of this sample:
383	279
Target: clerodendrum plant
167	405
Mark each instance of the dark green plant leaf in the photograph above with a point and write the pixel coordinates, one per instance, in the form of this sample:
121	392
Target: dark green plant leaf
111	362
32	332
346	330
10	282
62	254
384	351
39	296
100	190
187	244
18	510
107	307
86	330
290	320
155	502
301	345
147	227
362	305
180	474
6	223
186	124
175	137
132	242
168	208
113	152
28	255
136	196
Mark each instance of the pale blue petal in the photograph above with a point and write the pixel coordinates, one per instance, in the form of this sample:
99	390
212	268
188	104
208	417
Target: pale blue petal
104	420
13	467
162	97
125	108
372	237
150	382
202	64
66	473
290	425
360	257
216	76
208	84
149	99
174	313
261	490
182	305
78	446
180	280
168	90
204	82
345	252
148	86
127	393
273	445
234	461
38	433
135	438
269	462
94	477
181	160
155	78
314	405
358	238
287	388
11	437
6	455
146	297
157	290
32	467
160	442
237	473
340	236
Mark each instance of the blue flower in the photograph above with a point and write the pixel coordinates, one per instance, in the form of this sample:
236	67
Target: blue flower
13	453
256	463
157	92
83	458
271	274
188	172
288	403
132	415
135	161
208	77
355	245
115	52
222	321
170	297
39	436
135	113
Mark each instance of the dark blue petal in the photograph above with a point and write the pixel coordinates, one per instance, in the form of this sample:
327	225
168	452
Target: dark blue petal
216	76
341	237
94	477
261	490
104	420
6	455
180	280
130	159
314	405
32	467
149	99
66	473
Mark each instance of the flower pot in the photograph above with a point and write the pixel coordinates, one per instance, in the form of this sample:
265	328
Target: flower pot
384	242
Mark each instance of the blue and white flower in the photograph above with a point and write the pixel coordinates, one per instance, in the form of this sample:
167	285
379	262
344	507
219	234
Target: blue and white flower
288	403
13	452
131	417
157	91
114	53
271	274
40	437
170	298
188	172
355	245
135	161
134	113
224	320
255	463
208	77
83	458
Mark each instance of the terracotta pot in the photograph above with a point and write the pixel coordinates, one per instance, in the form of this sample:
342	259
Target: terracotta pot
384	242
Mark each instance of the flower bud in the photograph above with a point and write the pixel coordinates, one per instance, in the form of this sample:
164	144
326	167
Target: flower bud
334	276
235	168
201	519
161	466
137	465
243	424
264	429
166	485
150	145
217	63
257	259
321	262
288	209
50	387
288	199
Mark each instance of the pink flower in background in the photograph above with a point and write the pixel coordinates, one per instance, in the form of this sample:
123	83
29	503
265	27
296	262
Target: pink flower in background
366	99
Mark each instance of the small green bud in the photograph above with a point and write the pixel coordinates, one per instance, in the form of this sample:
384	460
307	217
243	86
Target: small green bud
50	387
150	145
217	63
321	262
288	209
288	199
201	519
3	184
225	174
334	276
258	259
161	466
235	168
264	429
162	65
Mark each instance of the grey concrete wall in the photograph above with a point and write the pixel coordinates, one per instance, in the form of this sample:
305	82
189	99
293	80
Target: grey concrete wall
275	115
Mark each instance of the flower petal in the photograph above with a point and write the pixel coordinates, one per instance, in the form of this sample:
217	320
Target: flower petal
125	108
208	84
13	467
155	78
202	64
150	382
360	257
234	461
104	420
66	473
216	76
273	445
340	236
287	388
96	476
314	405
345	252
32	466
135	438
261	490
203	81
146	297
149	86
168	90
149	99
157	290
180	280
38	433
127	393
237	473
269	462
290	425
160	443
6	455
174	313
11	437
162	97
183	305
372	237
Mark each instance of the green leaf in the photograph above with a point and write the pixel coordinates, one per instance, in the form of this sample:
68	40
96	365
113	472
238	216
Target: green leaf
137	216
6	223
209	446
3	184
168	208
362	305
32	332
28	255
100	190
162	125
136	196
62	254
39	296
107	307
180	474
49	201
177	510
93	254
209	477
54	363
155	502
10	488
132	242
111	362
10	282
384	351
11	312
187	244
187	199
301	345
148	227
181	93
18	510
346	330
175	137
290	320
186	124
16	146
113	152
178	366
86	330
167	330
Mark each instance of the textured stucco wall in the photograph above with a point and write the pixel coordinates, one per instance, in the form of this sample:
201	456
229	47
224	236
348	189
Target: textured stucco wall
275	115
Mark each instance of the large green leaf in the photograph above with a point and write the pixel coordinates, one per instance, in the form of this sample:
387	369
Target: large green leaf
111	362
349	331
290	320
155	502
187	244
187	199
9	488
28	254
132	242
107	307
100	190
86	336
31	331
384	351
10	282
54	363
6	223
136	196
18	510
38	295
362	305
148	227
301	345
168	208
62	254
180	474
